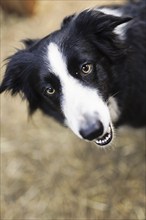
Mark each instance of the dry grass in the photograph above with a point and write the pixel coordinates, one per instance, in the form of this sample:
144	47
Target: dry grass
46	171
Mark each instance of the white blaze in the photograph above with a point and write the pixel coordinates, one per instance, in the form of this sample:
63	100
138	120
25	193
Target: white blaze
78	100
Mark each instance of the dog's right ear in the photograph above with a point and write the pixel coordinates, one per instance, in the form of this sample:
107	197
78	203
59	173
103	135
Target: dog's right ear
16	80
18	69
29	42
67	20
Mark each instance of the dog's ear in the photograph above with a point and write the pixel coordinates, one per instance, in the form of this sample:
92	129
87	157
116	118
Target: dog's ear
94	21
16	79
29	42
67	20
100	28
16	72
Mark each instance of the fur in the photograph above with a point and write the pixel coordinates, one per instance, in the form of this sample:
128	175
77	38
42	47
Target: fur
49	71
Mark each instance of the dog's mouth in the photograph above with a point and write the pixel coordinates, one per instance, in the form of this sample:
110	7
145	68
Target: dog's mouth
106	138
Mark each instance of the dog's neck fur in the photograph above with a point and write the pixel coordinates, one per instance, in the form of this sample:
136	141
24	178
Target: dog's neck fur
130	94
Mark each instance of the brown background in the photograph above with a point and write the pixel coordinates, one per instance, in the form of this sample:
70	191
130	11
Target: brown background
46	171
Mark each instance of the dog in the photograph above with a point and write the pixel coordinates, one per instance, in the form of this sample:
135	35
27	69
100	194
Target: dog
89	75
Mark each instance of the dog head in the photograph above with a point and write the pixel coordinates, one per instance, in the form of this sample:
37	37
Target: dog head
68	74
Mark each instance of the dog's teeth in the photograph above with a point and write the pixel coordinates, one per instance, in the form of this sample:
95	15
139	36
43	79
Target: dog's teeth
105	139
98	141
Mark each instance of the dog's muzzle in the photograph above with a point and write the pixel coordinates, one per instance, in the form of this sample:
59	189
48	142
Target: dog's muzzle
106	138
95	132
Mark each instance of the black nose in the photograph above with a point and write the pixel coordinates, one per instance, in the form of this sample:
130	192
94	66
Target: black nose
92	131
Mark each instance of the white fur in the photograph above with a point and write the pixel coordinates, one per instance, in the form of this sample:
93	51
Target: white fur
114	109
110	11
78	101
120	31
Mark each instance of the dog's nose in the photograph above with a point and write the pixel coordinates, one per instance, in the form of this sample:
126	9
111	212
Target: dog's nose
92	130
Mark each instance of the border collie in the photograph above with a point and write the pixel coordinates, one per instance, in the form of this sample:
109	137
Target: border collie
90	74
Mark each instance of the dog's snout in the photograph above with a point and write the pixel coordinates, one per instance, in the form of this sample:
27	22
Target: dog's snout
92	130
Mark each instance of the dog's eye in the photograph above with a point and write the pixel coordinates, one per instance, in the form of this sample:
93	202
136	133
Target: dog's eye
86	69
49	91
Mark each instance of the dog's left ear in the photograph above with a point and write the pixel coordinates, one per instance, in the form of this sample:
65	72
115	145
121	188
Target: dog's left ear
67	20
104	31
96	22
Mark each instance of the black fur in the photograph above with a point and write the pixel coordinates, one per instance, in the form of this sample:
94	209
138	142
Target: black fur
119	65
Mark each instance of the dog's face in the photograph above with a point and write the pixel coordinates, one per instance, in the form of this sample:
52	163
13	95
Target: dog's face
68	73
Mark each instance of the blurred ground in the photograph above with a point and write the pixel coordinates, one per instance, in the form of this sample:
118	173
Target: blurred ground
46	171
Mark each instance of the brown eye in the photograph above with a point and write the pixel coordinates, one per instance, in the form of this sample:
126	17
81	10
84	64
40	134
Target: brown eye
49	91
87	69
